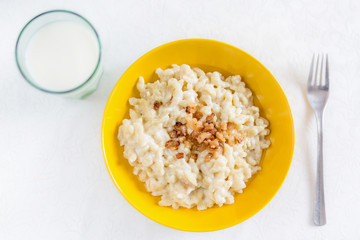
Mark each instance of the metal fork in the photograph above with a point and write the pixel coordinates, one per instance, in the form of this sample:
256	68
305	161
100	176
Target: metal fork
317	93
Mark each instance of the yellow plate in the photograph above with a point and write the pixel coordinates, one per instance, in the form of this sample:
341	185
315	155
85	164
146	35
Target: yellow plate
210	55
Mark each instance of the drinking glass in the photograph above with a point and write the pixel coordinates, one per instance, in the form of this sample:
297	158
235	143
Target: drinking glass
32	27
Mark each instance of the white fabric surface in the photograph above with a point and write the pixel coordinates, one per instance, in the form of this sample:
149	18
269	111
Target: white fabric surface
53	181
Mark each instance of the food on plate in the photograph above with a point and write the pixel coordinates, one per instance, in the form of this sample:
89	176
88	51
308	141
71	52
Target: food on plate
194	138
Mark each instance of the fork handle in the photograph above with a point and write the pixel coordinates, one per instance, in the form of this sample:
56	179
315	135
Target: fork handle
319	213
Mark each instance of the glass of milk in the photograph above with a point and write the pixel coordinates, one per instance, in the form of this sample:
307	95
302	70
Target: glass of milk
59	52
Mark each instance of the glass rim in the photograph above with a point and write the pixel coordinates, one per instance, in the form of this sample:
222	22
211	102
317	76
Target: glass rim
27	79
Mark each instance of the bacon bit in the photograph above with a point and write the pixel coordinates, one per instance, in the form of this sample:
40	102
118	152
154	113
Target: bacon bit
223	126
212	132
217	152
199	147
187	144
190	122
212	135
225	134
194	156
173	134
220	136
182	139
182	130
180	155
203	136
210	117
172	144
190	109
157	104
199	126
208	127
194	135
208	157
198	115
230	126
194	124
214	143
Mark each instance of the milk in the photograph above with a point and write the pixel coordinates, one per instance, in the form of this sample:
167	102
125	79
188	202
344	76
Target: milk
61	56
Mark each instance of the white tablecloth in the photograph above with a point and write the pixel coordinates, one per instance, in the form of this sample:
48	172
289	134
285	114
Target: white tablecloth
53	181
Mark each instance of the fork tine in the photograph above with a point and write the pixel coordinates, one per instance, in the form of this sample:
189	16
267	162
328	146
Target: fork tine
327	72
321	77
316	75
311	77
